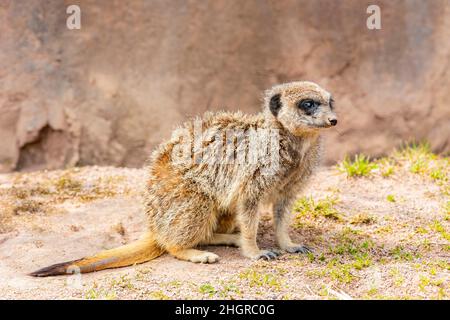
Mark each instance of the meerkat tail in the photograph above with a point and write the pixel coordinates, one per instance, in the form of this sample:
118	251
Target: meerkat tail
140	251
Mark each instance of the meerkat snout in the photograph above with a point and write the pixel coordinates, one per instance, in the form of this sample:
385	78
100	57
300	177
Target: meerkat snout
332	121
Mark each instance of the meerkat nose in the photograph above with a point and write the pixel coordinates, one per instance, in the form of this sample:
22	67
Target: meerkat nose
333	122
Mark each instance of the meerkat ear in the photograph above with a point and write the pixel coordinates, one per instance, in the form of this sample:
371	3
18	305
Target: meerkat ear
275	104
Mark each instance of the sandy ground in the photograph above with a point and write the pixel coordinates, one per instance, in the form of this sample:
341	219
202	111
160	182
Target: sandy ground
377	238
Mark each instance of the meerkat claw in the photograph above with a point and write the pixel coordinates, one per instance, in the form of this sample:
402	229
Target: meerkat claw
277	252
299	249
268	255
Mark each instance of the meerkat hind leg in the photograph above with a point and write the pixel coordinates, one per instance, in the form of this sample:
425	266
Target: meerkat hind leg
224	239
194	255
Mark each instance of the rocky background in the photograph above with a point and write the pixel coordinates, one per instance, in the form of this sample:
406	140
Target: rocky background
108	93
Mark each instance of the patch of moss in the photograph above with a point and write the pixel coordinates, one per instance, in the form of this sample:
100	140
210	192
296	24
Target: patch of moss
362	218
421	230
390	198
66	183
397	277
400	253
229	290
124	282
340	272
439	228
384	229
259	279
208	289
97	294
28	206
159	295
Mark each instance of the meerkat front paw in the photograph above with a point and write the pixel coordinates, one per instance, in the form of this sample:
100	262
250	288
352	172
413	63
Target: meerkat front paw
298	249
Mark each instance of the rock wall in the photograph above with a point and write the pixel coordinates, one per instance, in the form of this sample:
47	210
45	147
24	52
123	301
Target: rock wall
108	93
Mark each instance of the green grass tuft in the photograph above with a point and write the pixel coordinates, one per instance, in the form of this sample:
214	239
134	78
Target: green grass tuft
400	253
390	198
321	208
439	228
360	166
415	151
207	288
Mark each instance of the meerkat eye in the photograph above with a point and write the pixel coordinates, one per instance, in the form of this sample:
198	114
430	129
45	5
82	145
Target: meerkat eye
308	105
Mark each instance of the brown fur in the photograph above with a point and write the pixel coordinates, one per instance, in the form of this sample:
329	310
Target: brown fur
191	203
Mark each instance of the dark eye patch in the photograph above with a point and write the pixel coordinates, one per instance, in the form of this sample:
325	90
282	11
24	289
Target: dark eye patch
308	106
331	103
275	104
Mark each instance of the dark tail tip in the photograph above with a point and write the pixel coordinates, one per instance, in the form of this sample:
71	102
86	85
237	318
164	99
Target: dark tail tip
55	270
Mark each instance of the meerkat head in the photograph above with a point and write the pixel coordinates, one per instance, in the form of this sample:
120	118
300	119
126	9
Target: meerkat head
300	106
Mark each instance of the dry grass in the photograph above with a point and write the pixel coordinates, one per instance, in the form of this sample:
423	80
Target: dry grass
41	193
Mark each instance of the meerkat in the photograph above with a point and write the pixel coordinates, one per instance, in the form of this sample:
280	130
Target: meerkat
192	201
